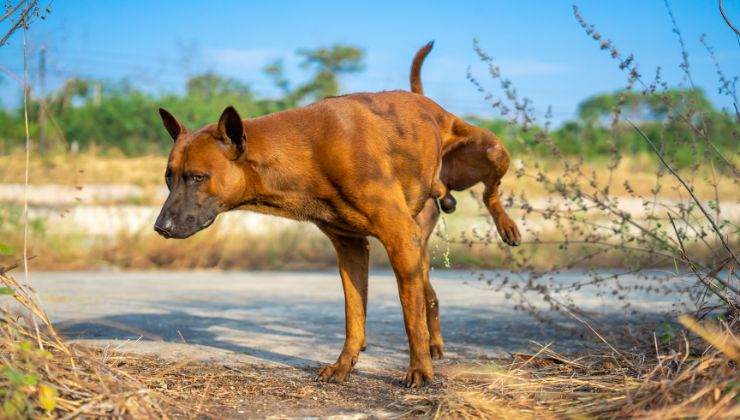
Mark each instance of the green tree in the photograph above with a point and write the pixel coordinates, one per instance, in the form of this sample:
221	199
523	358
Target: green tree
327	65
640	107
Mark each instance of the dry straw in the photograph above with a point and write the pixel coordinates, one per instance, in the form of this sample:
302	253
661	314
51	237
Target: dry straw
685	383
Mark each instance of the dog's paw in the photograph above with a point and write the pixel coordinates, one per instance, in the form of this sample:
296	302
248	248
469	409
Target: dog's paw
417	377
334	373
435	350
508	230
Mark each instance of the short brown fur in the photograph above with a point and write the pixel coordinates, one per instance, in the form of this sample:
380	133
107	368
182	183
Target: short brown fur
365	164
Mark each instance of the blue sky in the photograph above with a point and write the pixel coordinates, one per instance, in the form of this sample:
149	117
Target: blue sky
538	44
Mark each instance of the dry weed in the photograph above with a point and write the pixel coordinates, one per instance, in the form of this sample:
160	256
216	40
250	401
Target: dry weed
696	381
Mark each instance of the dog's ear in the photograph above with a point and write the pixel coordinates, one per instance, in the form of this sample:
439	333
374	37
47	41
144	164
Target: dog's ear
231	128
171	124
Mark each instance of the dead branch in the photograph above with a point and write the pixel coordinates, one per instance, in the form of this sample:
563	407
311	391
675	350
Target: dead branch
21	22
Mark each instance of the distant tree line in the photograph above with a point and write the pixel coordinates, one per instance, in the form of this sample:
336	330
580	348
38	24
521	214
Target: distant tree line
601	128
84	114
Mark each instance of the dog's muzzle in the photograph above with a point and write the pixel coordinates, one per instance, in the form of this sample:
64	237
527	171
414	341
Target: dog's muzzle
164	227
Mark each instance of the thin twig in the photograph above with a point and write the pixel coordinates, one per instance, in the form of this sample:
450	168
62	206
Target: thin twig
719	293
688	189
11	10
11	74
25	185
726	18
596	333
684	54
22	21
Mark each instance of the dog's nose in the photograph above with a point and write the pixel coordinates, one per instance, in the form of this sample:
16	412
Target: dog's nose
164	227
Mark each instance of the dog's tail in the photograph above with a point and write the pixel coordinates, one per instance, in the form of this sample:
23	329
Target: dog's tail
416	67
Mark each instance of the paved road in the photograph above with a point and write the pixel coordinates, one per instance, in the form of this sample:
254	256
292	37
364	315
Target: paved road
293	318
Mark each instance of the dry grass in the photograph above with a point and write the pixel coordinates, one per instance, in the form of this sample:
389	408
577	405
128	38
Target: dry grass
686	383
41	374
93	167
296	247
639	172
84	168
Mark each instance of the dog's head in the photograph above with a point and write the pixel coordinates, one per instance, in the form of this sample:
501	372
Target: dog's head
202	174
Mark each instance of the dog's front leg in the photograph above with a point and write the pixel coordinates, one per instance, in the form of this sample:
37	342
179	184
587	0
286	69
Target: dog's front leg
352	257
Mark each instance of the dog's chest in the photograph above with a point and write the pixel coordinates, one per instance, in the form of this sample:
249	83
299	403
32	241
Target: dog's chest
296	207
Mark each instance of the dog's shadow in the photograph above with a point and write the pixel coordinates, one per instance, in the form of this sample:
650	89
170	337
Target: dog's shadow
298	334
309	333
175	327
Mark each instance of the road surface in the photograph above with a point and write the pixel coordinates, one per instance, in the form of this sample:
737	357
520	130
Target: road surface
288	318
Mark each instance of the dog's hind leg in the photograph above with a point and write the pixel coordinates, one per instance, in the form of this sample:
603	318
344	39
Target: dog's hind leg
353	257
491	196
476	155
426	220
402	238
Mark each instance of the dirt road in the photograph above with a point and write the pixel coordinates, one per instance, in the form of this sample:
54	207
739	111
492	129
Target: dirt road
293	320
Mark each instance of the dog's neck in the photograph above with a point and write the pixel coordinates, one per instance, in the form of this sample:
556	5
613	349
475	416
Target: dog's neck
266	191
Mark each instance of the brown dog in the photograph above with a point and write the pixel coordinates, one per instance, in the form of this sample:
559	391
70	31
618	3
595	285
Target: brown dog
365	164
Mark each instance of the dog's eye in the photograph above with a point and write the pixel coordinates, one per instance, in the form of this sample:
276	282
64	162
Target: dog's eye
196	178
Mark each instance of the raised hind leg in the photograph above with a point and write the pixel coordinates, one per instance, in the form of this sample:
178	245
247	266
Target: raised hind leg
479	156
507	229
505	226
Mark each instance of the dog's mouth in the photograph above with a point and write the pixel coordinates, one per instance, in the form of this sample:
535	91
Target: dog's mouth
198	228
207	223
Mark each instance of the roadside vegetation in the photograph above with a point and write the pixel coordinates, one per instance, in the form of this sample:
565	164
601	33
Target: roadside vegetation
695	233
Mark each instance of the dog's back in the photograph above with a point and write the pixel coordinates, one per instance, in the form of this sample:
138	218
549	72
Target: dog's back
359	145
363	144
